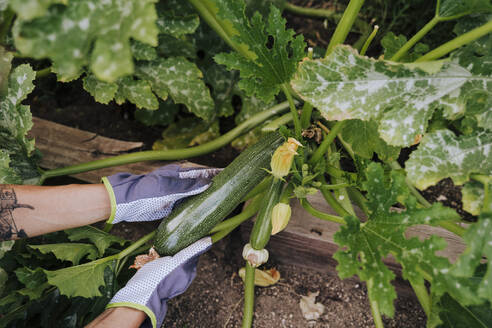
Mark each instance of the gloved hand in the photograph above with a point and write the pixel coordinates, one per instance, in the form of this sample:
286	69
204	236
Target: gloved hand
160	280
148	197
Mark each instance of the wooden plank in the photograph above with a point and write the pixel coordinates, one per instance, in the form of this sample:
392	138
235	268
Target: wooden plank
308	241
63	146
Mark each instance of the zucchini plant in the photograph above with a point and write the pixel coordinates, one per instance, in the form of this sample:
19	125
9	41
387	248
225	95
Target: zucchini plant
354	118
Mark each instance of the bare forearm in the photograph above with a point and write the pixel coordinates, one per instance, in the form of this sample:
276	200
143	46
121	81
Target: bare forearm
27	211
119	317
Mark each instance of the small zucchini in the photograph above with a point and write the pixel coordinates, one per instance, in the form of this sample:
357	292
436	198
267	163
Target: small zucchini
196	216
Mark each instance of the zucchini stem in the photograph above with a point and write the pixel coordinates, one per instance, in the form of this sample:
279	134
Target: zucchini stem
422	296
249	296
232	223
175	154
328	139
293	110
320	215
369	40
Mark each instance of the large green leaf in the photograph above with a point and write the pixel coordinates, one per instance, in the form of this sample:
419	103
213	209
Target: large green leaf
34	280
88	33
176	18
472	197
102	92
441	154
457	8
17	156
364	139
100	239
478	238
187	132
29	9
364	245
72	252
267	66
400	97
82	280
182	80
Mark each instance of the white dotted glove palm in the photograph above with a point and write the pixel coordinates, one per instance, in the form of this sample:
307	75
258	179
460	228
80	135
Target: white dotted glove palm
160	280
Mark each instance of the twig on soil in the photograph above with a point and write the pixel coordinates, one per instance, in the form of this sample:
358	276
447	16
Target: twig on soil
232	311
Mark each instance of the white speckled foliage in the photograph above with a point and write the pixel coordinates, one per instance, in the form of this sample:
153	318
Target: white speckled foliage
442	154
401	98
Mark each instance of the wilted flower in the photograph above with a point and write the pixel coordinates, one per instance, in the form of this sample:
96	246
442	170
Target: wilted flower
280	217
263	278
283	156
253	256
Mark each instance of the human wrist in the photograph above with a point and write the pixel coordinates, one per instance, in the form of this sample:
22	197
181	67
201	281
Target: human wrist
112	198
124	317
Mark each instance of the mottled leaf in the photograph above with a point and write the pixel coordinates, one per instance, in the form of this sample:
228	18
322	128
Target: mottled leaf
472	197
478	239
82	280
17	156
88	33
6	246
441	154
138	92
458	8
268	65
182	80
401	98
5	63
176	18
29	9
99	238
72	252
102	92
364	245
364	139
143	51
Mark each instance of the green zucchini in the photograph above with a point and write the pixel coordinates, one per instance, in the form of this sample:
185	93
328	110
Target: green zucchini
262	229
197	215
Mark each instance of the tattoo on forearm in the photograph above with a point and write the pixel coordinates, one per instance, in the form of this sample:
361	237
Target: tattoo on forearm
8	203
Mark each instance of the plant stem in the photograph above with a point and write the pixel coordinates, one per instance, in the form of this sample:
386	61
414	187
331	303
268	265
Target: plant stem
43	72
345	25
359	199
457	42
453	227
233	222
154	155
312	12
335	186
410	43
369	40
341	194
293	110
330	199
261	187
276	123
249	296
320	215
307	110
422	296
127	251
376	314
320	152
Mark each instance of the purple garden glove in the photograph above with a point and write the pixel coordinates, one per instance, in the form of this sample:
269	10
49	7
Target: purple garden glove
148	197
160	280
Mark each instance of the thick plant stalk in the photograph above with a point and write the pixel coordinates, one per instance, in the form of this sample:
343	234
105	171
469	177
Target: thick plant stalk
249	296
175	154
293	110
235	221
320	215
376	314
345	25
457	42
416	38
323	148
422	296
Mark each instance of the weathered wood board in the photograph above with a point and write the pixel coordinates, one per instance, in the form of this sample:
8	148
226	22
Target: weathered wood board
63	146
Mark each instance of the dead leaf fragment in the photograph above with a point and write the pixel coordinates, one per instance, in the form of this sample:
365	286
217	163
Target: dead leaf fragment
141	260
263	278
310	309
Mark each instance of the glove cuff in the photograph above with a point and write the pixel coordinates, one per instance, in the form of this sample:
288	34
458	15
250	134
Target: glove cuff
112	199
136	306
